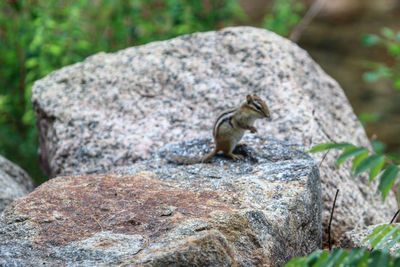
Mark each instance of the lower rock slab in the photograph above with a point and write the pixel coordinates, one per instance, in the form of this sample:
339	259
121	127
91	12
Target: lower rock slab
253	212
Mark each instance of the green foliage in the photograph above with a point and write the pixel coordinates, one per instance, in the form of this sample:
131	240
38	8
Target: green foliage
390	41
38	36
341	257
381	239
364	161
284	15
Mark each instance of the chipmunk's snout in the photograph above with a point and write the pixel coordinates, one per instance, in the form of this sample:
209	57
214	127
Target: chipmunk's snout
265	111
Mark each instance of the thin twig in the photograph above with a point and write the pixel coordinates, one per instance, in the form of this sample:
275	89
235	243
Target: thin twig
306	20
323	158
394	217
330	220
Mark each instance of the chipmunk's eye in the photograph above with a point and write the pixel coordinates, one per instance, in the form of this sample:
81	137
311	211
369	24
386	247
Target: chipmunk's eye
258	107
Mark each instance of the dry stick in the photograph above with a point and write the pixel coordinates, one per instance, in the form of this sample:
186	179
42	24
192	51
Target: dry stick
394	217
323	158
308	17
330	221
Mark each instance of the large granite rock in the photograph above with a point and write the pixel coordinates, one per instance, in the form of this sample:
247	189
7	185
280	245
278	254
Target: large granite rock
14	183
114	109
260	211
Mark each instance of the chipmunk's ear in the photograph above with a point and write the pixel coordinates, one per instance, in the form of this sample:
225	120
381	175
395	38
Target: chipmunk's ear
249	99
255	95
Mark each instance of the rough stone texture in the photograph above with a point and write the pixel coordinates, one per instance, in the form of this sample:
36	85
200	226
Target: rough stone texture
114	109
261	211
355	238
14	183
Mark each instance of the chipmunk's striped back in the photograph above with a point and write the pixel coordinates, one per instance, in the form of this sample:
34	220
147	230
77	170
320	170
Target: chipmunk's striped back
225	116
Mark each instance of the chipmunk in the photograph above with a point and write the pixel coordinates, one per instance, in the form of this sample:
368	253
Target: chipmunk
229	129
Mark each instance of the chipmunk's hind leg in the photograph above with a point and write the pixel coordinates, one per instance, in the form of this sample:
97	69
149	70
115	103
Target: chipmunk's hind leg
227	148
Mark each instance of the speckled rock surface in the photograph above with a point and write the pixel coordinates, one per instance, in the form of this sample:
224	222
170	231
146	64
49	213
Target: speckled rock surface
14	183
260	211
114	109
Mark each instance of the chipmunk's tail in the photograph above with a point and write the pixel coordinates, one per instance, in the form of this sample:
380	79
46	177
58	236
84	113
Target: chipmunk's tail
187	161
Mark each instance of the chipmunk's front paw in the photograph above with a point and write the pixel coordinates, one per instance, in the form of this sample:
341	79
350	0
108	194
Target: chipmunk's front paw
242	144
252	129
235	156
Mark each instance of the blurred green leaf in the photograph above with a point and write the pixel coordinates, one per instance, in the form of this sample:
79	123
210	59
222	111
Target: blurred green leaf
394	232
326	146
388	33
395	239
377	168
379	258
378	233
398	204
366	117
381	239
31	63
350	152
378	146
368	163
356	257
359	158
394	49
370	39
3	102
371	76
283	17
396	83
387	179
316	258
296	262
29	118
83	45
393	157
337	257
54	49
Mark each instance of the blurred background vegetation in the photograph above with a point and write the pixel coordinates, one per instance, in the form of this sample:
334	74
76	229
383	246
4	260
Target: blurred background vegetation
38	37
